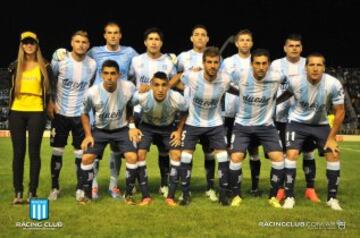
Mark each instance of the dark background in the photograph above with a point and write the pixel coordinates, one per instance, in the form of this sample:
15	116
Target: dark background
330	27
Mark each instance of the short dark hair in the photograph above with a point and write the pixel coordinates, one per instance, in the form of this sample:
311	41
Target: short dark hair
112	23
160	75
110	63
197	27
211	51
154	30
294	37
243	32
314	54
260	52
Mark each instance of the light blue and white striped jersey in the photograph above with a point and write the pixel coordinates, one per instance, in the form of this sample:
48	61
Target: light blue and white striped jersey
188	60
311	101
204	98
159	113
73	78
109	108
288	69
257	98
143	68
230	65
122	56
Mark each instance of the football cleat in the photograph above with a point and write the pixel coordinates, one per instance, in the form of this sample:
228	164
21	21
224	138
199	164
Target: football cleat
212	195
54	194
274	202
333	203
145	201
289	203
170	202
280	196
236	201
311	195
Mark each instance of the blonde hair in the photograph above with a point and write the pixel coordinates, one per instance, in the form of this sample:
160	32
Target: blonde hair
21	64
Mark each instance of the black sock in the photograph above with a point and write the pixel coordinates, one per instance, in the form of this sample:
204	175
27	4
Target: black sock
143	178
235	174
87	176
174	178
255	166
164	166
224	175
185	173
333	176
131	174
210	170
78	172
276	177
290	176
56	164
309	168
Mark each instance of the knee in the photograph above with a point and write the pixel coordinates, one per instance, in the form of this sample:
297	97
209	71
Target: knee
88	159
237	157
131	157
175	155
276	156
330	157
141	155
292	154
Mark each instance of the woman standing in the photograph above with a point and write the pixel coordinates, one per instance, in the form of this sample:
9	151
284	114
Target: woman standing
29	94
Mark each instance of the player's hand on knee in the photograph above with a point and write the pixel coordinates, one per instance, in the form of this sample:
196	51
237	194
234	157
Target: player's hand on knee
332	145
175	139
89	140
60	54
135	135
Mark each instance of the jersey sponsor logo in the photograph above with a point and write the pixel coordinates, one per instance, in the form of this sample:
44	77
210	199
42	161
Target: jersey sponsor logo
206	104
313	106
69	84
255	100
111	115
144	79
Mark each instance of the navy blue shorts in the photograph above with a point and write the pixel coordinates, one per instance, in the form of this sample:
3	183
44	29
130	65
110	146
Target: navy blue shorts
281	128
308	146
214	136
60	128
244	136
305	137
103	137
158	135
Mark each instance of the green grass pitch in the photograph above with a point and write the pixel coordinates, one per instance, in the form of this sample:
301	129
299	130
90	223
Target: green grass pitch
107	217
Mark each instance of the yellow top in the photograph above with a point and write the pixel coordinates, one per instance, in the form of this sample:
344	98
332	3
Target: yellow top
331	118
30	98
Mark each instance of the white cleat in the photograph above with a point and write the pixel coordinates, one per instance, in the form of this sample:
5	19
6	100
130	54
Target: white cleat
289	203
79	195
333	203
164	190
212	195
54	194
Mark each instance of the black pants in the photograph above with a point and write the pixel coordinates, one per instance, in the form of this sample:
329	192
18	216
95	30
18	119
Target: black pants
34	123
